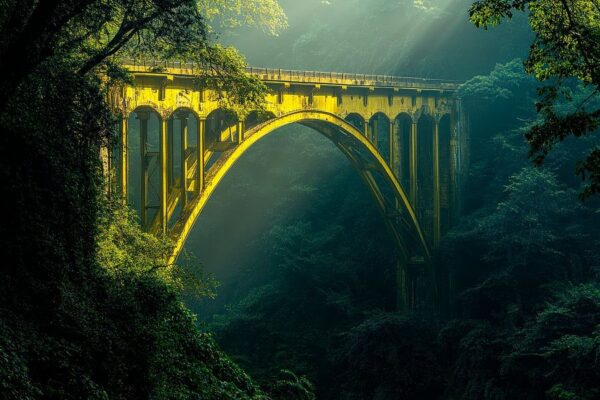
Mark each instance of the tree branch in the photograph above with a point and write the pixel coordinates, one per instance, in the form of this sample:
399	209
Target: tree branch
126	31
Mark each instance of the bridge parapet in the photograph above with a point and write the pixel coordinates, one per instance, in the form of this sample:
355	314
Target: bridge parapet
298	76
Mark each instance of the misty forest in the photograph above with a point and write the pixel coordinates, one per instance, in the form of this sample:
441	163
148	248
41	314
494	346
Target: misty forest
299	200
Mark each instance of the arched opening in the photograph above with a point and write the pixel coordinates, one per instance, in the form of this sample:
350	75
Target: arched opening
402	221
256	118
143	163
425	131
357	121
379	128
301	172
221	134
221	127
237	280
181	159
402	145
445	162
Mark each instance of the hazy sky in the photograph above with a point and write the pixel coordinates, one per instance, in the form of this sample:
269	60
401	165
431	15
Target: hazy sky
429	38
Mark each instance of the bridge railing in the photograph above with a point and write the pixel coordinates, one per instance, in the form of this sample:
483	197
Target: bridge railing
344	76
278	74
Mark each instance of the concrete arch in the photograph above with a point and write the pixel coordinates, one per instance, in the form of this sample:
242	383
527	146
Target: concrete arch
403	125
426	125
175	132
182	140
380	128
379	112
347	138
356	120
404	114
144	124
338	94
183	108
145	108
221	126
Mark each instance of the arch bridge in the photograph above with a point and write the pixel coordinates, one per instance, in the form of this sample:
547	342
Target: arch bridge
403	136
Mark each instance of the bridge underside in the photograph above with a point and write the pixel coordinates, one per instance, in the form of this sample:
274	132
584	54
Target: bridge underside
177	144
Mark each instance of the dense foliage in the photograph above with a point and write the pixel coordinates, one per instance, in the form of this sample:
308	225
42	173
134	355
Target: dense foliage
522	260
565	53
87	308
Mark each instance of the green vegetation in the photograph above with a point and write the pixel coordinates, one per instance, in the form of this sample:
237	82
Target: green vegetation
565	54
522	260
88	310
304	308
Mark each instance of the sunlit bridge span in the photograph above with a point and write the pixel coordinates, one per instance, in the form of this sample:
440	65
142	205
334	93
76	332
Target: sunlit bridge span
403	135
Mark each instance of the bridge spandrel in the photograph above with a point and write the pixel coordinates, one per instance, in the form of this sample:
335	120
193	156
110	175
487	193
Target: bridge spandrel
166	86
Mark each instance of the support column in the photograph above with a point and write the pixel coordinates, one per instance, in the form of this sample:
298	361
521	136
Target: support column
367	129
143	117
200	156
241	129
183	119
403	289
413	164
391	144
171	152
164	174
413	285
453	181
375	132
123	167
436	185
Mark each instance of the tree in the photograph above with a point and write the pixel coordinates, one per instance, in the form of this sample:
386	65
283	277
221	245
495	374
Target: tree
565	53
89	311
90	33
292	387
124	248
558	350
553	355
390	357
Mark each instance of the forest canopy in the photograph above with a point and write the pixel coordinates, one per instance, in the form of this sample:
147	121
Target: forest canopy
565	53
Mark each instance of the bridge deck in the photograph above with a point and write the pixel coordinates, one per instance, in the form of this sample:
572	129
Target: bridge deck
278	75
